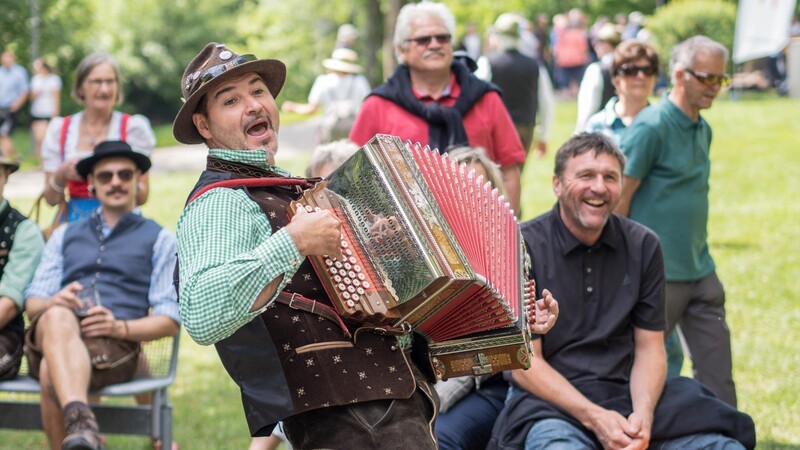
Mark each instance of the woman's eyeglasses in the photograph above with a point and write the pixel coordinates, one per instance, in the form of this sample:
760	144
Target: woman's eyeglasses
710	80
106	176
197	80
632	71
424	41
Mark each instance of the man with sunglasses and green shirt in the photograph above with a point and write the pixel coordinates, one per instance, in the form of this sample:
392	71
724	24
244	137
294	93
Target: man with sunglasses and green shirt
80	342
666	188
247	287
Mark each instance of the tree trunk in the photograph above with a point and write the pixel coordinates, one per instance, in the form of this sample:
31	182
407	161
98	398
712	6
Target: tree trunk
372	40
389	60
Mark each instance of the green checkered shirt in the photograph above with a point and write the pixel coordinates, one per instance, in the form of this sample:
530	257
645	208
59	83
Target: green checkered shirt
228	254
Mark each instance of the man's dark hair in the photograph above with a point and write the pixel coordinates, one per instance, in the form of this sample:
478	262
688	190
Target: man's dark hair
585	142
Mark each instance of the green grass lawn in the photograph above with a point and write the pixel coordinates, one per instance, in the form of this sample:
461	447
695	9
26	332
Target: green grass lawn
754	236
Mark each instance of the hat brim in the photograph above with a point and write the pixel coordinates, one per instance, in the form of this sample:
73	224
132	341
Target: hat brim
272	71
84	166
340	66
12	166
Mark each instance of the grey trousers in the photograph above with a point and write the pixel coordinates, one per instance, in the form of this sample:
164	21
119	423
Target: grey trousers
699	308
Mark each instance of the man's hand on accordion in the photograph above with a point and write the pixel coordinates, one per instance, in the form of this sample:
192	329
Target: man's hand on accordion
545	313
316	233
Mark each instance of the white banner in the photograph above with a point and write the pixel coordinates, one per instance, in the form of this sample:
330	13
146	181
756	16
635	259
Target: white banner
762	28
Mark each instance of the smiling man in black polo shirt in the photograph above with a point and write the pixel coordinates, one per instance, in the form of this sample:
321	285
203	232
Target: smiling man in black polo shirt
598	376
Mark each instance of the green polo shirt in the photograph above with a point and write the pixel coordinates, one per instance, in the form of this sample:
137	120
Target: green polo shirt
669	153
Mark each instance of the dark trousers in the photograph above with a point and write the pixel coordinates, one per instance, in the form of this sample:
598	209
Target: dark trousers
386	424
699	308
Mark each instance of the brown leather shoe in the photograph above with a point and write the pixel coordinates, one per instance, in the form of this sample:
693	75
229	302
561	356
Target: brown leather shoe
82	430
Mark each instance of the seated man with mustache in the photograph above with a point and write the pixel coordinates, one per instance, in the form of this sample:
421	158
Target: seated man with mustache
79	341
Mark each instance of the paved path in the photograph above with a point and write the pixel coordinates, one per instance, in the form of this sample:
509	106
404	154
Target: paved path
294	139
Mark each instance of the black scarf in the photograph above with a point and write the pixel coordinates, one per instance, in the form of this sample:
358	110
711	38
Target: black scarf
445	125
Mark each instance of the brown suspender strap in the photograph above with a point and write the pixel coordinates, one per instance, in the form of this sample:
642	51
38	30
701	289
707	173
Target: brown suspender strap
297	301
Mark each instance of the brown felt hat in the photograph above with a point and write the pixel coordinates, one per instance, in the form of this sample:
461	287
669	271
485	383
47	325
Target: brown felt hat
12	165
213	65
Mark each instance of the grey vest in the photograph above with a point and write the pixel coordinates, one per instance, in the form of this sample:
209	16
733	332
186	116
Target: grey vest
119	266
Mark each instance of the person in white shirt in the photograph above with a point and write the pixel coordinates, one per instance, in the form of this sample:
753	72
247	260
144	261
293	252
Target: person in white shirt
45	102
339	92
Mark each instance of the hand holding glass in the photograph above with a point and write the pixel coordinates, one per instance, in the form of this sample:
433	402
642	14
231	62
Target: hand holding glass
88	297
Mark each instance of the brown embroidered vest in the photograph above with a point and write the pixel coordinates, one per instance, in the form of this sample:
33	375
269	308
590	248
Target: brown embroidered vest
322	364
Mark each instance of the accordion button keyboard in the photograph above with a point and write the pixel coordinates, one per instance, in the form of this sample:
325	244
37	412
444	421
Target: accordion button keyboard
348	252
351	289
347	266
351	303
341	287
351	274
337	278
352	260
357	269
333	270
346	295
348	281
360	291
309	208
328	262
345	244
342	272
338	264
365	284
355	297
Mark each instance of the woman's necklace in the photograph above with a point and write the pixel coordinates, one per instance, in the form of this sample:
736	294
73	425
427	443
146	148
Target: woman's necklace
97	135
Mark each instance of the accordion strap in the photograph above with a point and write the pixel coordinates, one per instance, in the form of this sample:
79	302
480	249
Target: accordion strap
297	301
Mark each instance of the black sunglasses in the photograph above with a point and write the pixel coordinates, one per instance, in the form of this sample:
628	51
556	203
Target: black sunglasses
106	176
424	41
710	80
632	71
195	81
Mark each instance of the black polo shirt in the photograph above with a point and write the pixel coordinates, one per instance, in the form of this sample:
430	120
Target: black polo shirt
603	292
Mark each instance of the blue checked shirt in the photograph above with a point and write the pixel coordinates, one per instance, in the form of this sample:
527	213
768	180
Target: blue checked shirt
228	253
163	300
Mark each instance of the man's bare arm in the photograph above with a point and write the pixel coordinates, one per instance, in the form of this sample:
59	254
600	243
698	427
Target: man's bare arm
629	187
647	380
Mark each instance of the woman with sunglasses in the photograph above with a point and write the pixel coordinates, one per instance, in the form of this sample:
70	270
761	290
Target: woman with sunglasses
68	139
633	73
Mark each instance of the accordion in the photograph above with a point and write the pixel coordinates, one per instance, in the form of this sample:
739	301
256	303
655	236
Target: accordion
428	246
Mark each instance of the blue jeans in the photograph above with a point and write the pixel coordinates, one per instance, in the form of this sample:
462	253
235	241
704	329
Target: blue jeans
468	424
557	434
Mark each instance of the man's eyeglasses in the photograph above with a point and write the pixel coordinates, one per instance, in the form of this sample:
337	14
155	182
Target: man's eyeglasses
424	41
195	81
632	71
105	177
710	80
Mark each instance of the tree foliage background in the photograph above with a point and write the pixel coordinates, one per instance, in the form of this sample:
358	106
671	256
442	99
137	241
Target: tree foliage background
153	40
